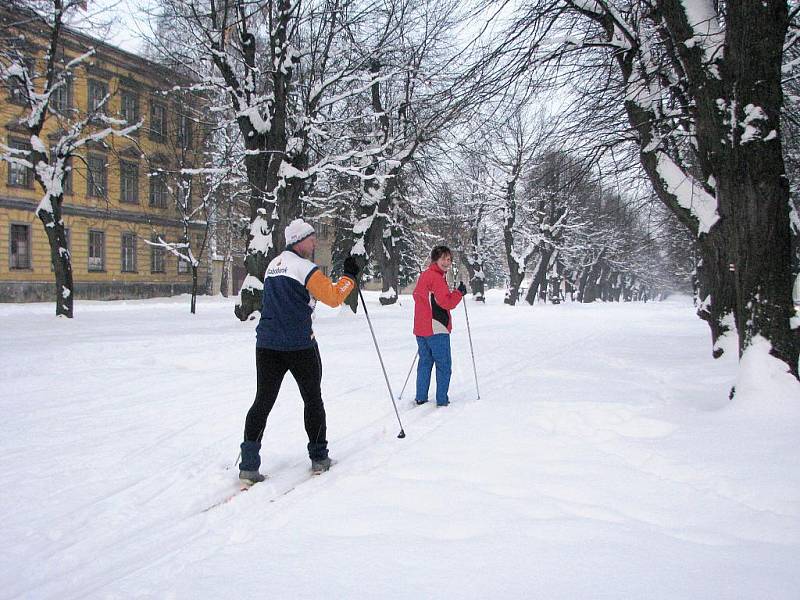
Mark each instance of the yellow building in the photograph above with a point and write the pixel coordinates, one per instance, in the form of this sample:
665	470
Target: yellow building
113	203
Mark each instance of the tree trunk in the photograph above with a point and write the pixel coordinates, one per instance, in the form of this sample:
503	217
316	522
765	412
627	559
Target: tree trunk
591	276
477	278
736	102
60	257
270	213
273	198
516	269
255	263
540	278
193	308
617	289
369	219
754	192
474	259
515	280
604	283
581	278
225	278
375	190
388	258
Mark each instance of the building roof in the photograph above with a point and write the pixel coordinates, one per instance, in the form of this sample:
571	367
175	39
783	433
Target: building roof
14	17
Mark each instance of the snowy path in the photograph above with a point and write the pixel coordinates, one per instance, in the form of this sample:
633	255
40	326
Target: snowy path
603	461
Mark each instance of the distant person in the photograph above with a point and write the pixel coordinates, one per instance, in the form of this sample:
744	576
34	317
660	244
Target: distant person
433	302
285	342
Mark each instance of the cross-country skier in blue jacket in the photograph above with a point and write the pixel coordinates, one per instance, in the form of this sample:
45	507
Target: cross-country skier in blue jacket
285	342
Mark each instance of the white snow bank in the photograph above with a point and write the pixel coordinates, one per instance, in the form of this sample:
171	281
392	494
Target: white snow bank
603	460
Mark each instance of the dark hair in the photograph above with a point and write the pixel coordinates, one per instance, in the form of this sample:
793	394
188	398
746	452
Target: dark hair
439	251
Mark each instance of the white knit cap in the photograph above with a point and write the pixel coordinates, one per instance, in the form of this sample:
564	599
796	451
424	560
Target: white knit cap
297	231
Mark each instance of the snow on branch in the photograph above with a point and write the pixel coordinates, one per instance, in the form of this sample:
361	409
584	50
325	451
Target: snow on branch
688	192
175	248
356	91
708	35
79	59
14	156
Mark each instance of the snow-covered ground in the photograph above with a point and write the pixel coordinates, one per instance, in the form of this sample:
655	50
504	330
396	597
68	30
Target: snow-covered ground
603	460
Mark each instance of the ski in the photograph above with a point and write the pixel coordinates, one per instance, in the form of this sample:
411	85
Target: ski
243	488
312	474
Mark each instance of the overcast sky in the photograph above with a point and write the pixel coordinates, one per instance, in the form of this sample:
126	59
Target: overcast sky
130	21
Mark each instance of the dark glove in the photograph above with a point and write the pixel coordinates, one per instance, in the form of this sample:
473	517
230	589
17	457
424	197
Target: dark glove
351	268
462	288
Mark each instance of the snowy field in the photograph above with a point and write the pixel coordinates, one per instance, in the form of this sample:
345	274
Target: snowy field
603	460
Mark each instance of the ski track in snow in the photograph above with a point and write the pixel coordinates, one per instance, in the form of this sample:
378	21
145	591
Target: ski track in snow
603	460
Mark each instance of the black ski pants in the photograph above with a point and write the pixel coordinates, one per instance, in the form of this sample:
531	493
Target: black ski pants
306	368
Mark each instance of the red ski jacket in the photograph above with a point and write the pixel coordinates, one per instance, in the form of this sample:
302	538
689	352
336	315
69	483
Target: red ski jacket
433	301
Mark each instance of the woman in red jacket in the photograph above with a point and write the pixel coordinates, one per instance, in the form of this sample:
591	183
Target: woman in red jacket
433	301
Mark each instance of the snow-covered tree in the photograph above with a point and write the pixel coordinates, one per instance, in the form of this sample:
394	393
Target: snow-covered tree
513	143
413	104
57	130
699	84
297	78
191	177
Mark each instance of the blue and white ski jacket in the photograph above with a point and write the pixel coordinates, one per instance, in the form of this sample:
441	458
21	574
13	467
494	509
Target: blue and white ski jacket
292	286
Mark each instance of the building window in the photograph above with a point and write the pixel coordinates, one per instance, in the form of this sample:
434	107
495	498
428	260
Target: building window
158	121
17	91
96	177
97	250
98	90
67	184
184	131
20	242
20	175
183	266
128	252
69	247
128	182
158	190
61	98
157	257
130	106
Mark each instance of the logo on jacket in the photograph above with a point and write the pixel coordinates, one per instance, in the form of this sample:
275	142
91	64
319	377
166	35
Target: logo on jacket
277	271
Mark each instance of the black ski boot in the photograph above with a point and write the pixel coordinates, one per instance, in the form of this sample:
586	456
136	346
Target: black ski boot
251	461
250	477
320	465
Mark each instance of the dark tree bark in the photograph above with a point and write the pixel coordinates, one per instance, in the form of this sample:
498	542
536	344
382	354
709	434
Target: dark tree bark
193	308
272	206
589	286
701	86
474	260
50	210
377	190
516	263
746	255
539	281
387	253
59	256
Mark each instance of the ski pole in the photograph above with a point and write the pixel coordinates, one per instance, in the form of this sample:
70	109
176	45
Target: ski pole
413	362
469	335
471	350
402	433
